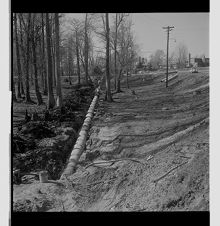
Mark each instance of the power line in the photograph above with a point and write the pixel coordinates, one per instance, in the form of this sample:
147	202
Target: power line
168	29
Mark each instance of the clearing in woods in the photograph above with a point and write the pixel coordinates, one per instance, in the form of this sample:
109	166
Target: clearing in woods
160	139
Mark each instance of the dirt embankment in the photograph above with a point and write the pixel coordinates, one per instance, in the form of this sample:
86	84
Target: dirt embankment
145	152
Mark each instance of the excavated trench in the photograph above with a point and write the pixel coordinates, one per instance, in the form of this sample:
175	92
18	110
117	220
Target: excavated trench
46	144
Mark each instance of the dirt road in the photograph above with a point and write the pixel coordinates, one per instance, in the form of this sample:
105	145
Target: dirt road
160	139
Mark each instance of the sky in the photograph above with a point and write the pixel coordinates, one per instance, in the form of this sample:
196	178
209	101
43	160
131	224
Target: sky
192	29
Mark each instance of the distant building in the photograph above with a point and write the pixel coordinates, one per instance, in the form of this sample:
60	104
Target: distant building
205	61
201	62
198	61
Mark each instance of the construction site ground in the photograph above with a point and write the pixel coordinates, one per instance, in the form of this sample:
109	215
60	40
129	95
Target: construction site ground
146	151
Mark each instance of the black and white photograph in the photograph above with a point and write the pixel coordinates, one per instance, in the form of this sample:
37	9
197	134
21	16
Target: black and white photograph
110	112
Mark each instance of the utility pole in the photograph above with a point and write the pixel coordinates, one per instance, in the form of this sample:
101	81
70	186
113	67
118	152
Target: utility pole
168	29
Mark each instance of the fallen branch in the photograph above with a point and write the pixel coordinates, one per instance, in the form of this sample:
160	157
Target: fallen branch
161	177
31	174
187	157
111	161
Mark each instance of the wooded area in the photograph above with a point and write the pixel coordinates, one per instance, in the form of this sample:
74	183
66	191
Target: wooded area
43	54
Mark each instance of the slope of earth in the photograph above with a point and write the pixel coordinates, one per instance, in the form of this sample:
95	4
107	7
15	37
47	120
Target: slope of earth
147	151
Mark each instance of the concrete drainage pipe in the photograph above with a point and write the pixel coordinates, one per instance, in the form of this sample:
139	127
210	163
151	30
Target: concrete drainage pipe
81	141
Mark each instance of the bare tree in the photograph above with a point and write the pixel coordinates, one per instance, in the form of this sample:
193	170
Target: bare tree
119	18
77	57
22	55
70	57
51	101
108	85
27	88
59	91
156	59
13	89
82	33
76	27
103	31
82	42
41	65
126	52
22	52
25	26
181	55
33	38
86	48
52	25
17	57
43	56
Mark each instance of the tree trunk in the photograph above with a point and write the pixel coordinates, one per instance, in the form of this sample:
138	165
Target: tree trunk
51	101
36	86
108	85
31	72
13	91
23	58
53	61
69	76
18	58
127	80
119	82
43	57
41	67
115	61
77	58
58	82
52	50
52	42
27	89
86	51
69	65
115	49
22	87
